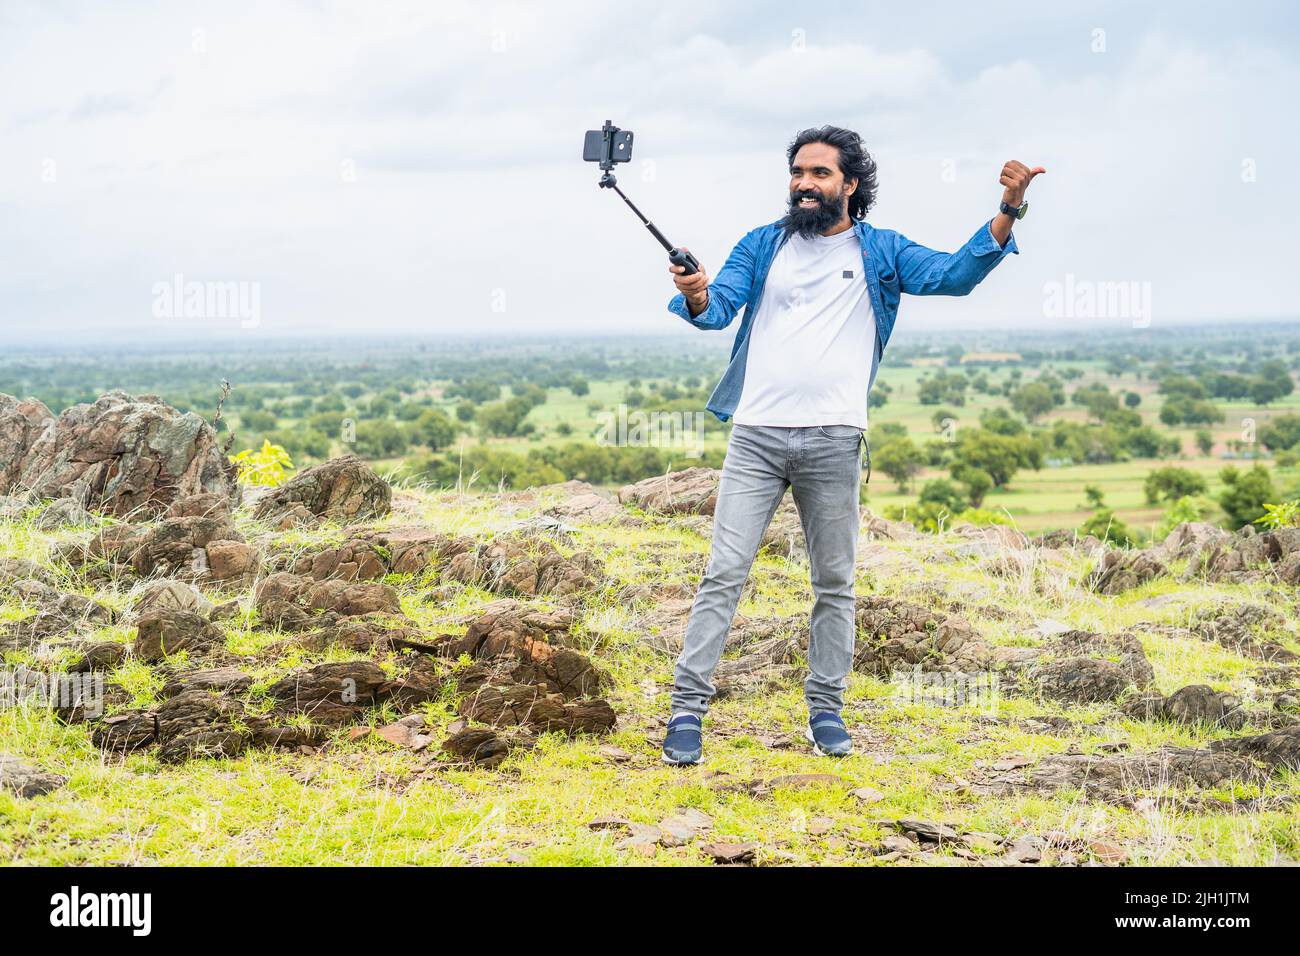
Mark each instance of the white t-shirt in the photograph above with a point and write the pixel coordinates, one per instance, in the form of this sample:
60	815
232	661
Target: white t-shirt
812	345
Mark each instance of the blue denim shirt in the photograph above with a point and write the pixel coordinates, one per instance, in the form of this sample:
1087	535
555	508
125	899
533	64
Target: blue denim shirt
893	264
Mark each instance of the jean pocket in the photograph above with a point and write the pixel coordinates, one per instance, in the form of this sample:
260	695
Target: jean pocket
840	432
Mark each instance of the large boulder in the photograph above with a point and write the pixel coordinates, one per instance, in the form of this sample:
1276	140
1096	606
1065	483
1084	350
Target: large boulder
21	423
344	489
121	455
693	491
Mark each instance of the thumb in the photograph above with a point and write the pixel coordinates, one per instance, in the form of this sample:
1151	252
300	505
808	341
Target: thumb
1035	171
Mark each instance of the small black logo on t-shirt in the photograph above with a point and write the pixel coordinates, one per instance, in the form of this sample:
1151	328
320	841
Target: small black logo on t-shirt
848	274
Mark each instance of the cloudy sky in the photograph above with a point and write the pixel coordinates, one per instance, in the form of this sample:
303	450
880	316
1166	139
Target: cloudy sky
382	167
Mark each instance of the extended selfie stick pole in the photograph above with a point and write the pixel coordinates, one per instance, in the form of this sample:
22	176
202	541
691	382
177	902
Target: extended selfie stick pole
678	257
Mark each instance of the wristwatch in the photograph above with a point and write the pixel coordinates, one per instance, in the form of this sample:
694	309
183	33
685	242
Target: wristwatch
1015	212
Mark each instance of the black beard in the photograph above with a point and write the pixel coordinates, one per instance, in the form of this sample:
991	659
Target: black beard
810	222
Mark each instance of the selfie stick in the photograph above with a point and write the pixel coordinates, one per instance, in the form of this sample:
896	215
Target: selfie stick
678	257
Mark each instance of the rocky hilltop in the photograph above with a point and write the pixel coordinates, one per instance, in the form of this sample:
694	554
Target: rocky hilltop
335	617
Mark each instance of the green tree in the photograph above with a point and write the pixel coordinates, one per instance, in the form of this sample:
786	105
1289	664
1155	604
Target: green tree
1033	400
1171	483
900	459
1245	493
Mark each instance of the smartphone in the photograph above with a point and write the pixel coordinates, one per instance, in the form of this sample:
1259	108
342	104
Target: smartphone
620	146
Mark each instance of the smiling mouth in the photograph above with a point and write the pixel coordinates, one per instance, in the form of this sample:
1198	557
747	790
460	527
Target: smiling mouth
809	202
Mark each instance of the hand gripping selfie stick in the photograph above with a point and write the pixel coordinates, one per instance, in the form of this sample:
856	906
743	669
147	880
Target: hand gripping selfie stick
609	145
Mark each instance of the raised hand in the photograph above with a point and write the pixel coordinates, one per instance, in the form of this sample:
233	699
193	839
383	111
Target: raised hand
1016	177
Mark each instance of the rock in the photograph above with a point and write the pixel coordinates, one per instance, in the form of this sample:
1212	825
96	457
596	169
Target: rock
692	491
126	731
516	645
355	560
344	489
173	546
207	504
1194	704
1276	749
1121	570
168	594
100	656
333	693
120	455
199	723
288	601
63	513
895	635
224	680
585	503
21	424
527	704
1242	628
1190	538
1082	670
486	748
524	566
160	634
729	853
17	775
1117	776
232	560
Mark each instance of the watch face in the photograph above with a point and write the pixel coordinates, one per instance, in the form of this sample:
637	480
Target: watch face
1024	208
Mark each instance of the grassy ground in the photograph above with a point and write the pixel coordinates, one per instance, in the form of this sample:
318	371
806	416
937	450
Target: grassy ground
370	802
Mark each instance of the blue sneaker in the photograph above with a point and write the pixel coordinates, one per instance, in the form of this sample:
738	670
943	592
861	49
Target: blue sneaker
684	742
828	735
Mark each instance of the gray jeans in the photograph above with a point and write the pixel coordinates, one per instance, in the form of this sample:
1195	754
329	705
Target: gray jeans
822	467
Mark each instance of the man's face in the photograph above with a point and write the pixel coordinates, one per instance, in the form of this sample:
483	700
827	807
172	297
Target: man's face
818	191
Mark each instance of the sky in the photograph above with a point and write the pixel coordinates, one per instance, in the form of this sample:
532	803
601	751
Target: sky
230	171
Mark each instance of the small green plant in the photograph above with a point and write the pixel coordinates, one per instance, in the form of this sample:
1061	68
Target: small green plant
1283	515
268	466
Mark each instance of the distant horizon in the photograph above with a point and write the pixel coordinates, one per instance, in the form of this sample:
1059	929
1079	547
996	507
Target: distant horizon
255	339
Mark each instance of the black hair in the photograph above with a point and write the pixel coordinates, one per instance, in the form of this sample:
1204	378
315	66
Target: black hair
855	163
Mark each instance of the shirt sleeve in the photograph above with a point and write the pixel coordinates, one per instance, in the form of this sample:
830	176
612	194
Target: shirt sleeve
728	290
925	271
